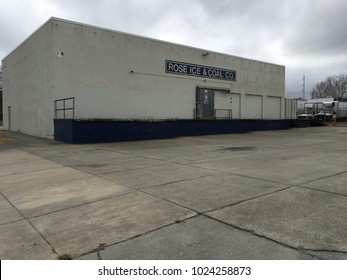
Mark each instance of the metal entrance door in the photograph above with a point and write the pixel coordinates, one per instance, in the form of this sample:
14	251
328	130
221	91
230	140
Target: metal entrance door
204	103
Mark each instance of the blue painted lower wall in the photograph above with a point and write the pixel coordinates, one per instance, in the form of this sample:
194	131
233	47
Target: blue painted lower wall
97	131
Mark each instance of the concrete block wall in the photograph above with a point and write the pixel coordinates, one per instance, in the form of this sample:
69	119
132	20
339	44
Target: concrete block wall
28	85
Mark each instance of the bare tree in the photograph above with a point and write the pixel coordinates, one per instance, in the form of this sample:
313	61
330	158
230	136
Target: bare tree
341	85
333	86
319	90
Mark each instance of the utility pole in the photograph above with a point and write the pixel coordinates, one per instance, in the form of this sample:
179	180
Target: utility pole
303	86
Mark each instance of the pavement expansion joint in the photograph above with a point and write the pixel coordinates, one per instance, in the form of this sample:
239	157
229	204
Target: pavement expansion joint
319	190
242	175
247	200
321	178
180	180
290	195
255	233
326	251
103	246
79	205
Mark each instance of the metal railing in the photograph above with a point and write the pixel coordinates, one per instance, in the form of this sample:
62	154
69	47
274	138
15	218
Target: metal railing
218	113
223	113
64	108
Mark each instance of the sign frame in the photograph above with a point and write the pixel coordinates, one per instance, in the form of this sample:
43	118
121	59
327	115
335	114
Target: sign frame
201	71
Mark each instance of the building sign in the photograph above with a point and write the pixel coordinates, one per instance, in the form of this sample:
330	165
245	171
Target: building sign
182	68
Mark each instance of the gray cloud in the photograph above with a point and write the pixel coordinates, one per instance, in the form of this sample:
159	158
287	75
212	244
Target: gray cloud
309	36
320	29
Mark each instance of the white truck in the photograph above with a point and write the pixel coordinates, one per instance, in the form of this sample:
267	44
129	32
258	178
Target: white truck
322	109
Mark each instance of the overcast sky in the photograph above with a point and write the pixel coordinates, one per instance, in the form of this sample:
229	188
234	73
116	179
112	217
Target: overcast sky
309	37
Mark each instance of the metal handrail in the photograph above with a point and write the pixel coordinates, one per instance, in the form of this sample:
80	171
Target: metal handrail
228	115
198	112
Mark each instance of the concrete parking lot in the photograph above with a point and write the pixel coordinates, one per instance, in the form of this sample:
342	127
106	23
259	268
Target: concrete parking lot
260	195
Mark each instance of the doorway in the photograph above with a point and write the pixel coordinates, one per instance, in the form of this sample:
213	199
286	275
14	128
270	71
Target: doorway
204	103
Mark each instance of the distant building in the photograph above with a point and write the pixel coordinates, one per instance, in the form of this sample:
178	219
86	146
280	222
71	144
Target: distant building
68	70
1	117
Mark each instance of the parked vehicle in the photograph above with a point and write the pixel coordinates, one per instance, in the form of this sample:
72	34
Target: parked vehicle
322	109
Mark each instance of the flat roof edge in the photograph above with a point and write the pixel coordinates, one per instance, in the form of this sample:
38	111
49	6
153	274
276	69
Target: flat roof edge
27	38
159	40
133	35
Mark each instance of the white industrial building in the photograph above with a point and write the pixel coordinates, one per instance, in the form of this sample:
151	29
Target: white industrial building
77	71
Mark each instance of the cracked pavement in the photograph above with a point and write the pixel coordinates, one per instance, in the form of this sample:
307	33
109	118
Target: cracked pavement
261	195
